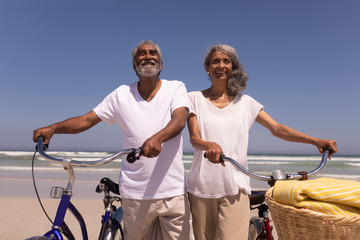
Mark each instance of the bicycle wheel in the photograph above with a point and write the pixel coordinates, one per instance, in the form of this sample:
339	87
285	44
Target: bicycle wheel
113	233
112	230
255	228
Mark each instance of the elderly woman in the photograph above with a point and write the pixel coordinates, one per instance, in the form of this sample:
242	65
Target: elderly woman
219	123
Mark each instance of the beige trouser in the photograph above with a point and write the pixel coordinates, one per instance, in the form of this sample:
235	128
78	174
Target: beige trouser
221	219
156	219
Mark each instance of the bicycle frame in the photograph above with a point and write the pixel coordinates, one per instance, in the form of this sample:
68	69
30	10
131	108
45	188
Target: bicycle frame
107	185
59	226
55	232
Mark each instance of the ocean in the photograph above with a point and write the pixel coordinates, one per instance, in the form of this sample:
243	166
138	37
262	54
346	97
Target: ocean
15	168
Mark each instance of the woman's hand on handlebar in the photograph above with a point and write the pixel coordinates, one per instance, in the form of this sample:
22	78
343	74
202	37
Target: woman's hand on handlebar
323	144
214	152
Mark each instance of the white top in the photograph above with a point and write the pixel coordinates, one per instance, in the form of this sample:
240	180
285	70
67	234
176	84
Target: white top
147	178
229	127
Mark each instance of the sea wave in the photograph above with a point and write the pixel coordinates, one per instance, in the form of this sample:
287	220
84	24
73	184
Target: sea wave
54	168
340	176
189	156
79	154
353	164
16	153
300	158
270	163
88	159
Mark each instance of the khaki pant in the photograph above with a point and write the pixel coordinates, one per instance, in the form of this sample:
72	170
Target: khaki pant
156	219
224	218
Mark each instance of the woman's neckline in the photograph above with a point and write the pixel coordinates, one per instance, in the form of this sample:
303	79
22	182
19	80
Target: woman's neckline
219	102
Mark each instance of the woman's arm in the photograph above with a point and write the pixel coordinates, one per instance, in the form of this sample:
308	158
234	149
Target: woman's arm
286	133
213	150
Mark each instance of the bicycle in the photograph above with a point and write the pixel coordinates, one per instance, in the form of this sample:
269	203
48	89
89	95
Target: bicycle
111	222
260	227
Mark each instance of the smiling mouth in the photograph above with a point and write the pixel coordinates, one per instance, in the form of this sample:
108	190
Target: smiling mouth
147	63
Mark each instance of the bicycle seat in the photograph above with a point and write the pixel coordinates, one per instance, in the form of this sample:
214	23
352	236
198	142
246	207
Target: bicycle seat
109	184
257	197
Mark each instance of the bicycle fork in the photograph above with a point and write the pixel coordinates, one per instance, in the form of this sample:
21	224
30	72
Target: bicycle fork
105	220
266	231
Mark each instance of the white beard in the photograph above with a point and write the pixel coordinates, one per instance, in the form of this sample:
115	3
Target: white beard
148	71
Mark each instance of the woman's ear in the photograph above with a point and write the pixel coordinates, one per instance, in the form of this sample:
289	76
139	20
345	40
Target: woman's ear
207	69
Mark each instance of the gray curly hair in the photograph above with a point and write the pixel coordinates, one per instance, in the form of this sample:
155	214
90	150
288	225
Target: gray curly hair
238	78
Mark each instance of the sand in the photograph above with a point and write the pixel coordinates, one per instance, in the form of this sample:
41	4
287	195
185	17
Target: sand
21	215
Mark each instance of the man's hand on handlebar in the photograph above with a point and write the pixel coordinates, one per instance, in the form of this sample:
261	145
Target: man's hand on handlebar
45	132
151	148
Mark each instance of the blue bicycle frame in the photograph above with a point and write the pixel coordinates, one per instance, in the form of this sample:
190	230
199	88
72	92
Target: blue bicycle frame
59	226
55	232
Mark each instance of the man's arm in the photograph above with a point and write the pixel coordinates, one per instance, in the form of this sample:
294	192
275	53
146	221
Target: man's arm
292	135
152	146
70	126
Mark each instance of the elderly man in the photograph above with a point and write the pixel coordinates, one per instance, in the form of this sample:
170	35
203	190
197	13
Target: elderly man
151	113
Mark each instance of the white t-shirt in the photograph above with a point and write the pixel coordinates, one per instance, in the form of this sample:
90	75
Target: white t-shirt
147	178
229	127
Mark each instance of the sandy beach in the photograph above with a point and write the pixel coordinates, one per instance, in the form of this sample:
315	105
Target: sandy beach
21	214
22	217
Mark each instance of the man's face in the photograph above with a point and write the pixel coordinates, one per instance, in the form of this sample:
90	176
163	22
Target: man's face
148	61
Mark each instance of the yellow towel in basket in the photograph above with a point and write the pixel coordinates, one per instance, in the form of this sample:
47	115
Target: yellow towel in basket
325	195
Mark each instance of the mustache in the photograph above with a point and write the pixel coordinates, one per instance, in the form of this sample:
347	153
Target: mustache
145	61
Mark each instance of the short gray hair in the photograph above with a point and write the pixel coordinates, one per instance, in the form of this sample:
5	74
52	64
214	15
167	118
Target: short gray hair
238	78
134	51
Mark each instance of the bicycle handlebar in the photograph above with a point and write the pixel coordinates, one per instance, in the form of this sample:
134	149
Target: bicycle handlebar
131	156
279	174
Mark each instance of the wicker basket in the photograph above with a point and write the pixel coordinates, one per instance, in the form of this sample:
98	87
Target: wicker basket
294	223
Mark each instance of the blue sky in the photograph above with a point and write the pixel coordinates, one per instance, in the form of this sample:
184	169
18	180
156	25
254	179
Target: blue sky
59	59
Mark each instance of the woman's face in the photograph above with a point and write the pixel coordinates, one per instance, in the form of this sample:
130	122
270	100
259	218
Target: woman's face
220	66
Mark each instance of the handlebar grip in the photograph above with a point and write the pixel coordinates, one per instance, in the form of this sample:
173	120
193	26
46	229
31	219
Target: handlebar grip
42	138
131	157
328	149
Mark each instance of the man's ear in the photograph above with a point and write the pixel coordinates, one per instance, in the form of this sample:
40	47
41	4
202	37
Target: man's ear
135	69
